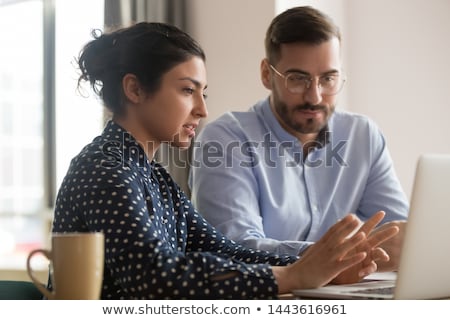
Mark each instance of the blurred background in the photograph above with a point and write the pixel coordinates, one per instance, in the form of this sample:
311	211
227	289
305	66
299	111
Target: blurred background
395	54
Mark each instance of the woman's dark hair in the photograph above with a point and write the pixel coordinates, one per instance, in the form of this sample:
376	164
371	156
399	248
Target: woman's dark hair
147	50
298	24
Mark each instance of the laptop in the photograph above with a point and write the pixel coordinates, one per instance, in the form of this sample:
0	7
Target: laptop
424	261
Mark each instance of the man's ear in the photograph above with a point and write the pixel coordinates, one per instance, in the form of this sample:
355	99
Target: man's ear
265	74
131	88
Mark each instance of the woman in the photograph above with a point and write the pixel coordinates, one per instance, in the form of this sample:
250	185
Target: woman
152	77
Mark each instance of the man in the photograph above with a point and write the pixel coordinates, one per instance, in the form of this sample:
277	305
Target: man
279	175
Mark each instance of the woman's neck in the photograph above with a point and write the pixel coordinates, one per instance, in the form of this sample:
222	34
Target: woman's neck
148	143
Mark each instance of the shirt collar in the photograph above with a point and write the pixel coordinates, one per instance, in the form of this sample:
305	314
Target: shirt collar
127	146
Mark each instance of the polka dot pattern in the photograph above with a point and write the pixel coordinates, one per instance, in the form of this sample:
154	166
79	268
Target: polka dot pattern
156	245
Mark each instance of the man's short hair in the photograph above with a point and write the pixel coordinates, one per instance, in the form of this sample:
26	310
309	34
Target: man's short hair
299	24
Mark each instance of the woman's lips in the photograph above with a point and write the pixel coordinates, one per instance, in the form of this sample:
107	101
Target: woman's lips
190	129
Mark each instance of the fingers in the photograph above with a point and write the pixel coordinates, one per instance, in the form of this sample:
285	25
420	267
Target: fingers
380	236
341	229
352	260
379	254
351	243
370	224
368	269
343	239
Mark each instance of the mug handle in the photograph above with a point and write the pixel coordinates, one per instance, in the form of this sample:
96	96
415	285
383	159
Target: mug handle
41	287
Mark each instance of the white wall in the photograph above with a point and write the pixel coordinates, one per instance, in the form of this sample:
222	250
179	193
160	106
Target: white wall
396	56
400	74
232	34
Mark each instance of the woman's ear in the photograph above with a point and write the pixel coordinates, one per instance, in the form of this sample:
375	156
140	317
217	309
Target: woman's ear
131	88
265	74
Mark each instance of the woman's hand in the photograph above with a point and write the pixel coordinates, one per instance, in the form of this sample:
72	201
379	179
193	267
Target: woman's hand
344	254
375	254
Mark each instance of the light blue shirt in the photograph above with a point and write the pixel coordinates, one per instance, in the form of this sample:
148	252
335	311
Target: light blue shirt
249	179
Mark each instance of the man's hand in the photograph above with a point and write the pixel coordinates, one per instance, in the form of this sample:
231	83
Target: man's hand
392	246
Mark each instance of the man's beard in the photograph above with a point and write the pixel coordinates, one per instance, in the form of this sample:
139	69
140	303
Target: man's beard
308	125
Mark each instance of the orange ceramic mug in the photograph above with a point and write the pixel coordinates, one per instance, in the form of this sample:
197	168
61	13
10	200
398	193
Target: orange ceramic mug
76	266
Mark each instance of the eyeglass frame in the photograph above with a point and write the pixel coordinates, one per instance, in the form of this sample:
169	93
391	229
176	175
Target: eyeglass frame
309	82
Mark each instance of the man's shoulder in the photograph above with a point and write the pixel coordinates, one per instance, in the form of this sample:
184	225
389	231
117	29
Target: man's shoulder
235	117
350	120
346	115
236	123
357	128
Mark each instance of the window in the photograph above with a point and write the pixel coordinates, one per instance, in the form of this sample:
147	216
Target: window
75	21
28	85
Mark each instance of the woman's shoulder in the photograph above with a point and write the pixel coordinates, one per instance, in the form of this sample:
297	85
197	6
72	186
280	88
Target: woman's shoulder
101	161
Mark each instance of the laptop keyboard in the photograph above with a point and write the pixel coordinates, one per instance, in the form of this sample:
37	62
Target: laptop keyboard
382	290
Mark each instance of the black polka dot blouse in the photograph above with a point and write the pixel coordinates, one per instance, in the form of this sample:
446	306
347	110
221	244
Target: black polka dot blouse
156	245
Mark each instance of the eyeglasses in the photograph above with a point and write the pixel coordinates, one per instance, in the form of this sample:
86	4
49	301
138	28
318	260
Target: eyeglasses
298	83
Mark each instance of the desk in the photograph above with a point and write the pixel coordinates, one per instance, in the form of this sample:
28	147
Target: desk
21	274
14	267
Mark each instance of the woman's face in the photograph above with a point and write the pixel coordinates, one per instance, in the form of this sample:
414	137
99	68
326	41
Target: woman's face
172	113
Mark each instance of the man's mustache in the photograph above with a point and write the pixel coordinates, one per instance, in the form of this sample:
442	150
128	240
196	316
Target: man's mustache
310	107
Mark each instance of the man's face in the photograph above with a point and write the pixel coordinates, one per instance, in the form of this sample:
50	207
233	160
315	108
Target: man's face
304	114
